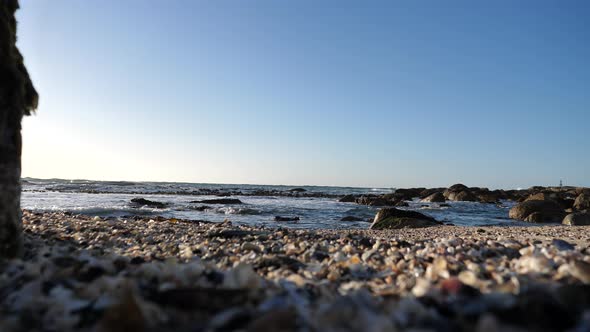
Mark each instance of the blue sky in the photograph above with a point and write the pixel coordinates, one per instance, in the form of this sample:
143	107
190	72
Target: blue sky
377	93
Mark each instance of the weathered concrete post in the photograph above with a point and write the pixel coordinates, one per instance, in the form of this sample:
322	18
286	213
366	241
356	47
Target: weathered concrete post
17	98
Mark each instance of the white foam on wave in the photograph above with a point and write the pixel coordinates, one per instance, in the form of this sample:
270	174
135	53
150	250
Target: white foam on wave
236	210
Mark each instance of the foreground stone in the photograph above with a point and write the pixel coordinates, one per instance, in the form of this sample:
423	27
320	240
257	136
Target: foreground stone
93	274
392	218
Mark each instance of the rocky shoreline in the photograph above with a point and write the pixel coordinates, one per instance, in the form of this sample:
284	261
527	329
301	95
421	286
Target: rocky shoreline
554	205
84	273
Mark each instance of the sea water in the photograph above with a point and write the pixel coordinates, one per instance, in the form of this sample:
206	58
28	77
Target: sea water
113	199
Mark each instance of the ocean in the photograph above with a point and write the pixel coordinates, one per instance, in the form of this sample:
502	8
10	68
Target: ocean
314	206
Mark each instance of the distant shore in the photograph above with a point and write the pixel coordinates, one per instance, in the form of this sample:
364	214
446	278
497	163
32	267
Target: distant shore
86	273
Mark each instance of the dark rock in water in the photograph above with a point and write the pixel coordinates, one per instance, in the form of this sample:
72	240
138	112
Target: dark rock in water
352	218
144	202
392	218
405	194
427	192
465	196
397	223
297	190
200	208
437	197
374	201
577	219
381	202
488	197
582	202
279	218
397	213
223	194
347	199
547	211
219	201
402	204
444	205
458	187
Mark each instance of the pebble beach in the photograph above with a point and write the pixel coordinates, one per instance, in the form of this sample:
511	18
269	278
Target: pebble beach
83	273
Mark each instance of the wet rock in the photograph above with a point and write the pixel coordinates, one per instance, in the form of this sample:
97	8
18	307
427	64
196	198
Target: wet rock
582	202
538	211
347	199
374	201
404	194
144	202
392	218
298	190
437	197
577	219
219	201
488	197
279	218
458	187
463	196
201	208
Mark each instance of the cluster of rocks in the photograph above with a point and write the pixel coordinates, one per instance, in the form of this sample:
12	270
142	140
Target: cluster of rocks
570	207
567	205
293	192
457	192
94	274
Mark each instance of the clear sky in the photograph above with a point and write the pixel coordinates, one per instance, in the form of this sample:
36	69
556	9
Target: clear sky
360	93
